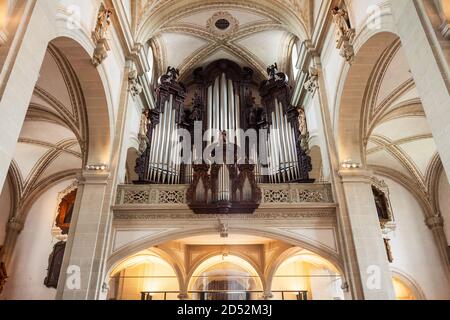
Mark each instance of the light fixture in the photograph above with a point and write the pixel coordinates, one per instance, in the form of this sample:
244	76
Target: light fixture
96	167
349	164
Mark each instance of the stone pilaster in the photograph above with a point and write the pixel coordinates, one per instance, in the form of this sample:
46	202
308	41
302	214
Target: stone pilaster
80	262
370	251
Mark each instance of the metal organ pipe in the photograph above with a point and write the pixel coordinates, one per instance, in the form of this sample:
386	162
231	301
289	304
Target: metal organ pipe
210	113
216	108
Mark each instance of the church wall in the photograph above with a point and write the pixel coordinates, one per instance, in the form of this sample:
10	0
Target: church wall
317	134
131	131
332	64
413	247
444	203
360	11
5	205
85	16
28	267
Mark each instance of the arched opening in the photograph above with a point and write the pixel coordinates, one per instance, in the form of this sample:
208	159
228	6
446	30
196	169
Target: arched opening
225	277
144	276
238	266
307	276
353	98
406	288
67	126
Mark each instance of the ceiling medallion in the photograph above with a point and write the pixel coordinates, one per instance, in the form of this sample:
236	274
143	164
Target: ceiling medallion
222	24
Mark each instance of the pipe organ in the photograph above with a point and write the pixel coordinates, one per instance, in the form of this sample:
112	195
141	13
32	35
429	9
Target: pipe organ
160	163
288	160
241	143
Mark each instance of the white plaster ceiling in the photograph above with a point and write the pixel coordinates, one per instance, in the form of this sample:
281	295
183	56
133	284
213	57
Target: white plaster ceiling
187	43
48	147
233	239
401	138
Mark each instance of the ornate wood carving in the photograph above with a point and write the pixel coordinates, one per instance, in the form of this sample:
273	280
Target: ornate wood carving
203	193
167	87
277	88
54	265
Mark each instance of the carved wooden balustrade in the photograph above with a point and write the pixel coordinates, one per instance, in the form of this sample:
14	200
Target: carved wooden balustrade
141	195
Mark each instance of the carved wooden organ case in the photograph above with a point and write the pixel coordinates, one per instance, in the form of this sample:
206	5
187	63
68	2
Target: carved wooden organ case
223	110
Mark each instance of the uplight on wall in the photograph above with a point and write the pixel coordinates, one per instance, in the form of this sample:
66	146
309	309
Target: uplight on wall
96	167
349	164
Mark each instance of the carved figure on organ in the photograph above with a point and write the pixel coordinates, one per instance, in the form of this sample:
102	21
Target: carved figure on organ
171	75
272	71
197	110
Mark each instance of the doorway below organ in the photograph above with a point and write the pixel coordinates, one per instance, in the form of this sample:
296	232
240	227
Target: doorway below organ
240	267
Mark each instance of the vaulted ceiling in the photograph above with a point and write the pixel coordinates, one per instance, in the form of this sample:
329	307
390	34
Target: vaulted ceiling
52	140
399	139
253	35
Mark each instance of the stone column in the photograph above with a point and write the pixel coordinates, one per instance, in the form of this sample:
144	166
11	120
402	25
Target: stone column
370	252
19	73
429	69
366	268
80	262
89	235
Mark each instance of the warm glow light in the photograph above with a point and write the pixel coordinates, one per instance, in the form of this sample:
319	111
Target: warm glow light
349	164
96	167
402	292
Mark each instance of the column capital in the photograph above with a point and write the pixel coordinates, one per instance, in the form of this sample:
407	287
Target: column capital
358	175
94	177
435	222
15	225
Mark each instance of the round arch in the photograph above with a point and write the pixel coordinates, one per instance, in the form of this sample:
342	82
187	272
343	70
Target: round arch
162	14
350	95
149	242
95	99
283	257
352	98
409	282
197	266
149	256
238	260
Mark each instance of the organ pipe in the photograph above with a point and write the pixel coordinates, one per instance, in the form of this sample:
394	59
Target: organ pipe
226	103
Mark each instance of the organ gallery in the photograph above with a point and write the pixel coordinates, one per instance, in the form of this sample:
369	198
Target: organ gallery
241	143
231	150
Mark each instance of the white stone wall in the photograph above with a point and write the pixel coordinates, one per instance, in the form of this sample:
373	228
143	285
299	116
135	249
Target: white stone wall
28	267
413	246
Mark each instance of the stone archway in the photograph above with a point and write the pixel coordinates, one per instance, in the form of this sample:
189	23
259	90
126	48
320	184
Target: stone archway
352	98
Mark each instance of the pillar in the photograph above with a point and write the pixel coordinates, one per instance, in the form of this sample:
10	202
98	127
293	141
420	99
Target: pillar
81	261
360	248
429	69
370	252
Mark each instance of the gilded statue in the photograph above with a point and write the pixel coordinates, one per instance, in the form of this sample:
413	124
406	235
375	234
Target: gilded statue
103	22
341	20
